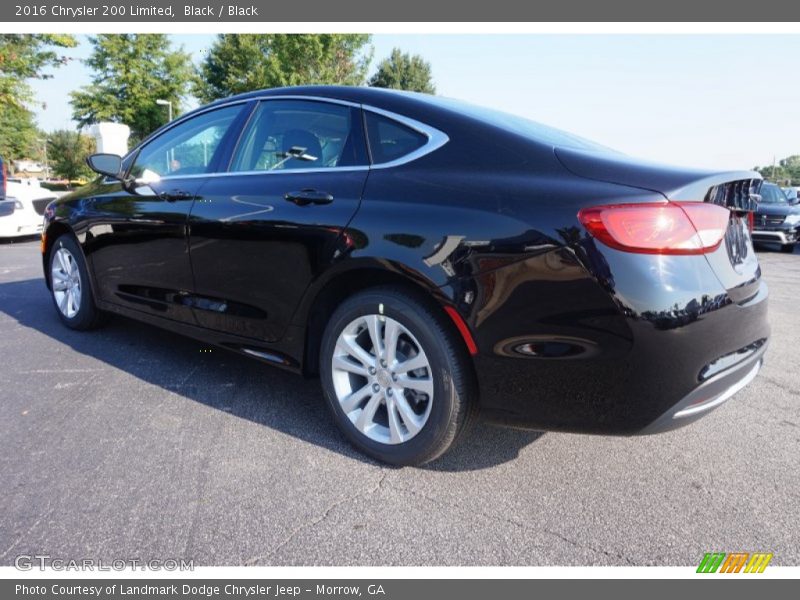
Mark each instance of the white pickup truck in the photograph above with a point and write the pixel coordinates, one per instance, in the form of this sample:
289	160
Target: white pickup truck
22	210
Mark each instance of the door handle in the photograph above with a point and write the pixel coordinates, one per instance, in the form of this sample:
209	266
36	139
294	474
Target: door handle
174	195
308	196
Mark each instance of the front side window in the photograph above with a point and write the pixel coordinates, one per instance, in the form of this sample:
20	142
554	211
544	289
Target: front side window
299	134
390	140
188	148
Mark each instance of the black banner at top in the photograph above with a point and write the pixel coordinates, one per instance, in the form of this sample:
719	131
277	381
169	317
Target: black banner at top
98	11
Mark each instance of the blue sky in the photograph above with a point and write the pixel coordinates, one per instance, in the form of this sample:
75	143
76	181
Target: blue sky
721	101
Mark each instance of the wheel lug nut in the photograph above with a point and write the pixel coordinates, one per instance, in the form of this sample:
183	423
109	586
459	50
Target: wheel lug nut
389	392
375	387
383	363
394	376
372	370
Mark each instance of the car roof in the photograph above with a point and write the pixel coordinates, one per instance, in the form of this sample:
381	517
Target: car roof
457	119
437	111
359	95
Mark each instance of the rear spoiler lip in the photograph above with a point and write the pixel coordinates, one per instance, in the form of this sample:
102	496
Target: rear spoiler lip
673	183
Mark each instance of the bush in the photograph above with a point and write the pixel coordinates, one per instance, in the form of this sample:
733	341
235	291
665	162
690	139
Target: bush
56	187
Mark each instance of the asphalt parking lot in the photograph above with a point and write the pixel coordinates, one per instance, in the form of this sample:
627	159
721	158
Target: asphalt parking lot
130	442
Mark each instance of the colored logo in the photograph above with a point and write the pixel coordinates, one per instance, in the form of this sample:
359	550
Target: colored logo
734	562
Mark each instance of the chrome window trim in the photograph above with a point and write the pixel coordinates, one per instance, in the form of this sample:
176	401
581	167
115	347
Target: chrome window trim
436	138
286	171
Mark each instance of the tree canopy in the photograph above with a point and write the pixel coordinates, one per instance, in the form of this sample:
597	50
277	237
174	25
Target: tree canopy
67	152
239	63
131	72
403	71
24	57
786	171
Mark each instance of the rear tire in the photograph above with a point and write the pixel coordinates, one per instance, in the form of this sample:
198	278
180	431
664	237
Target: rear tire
70	286
407	402
788	248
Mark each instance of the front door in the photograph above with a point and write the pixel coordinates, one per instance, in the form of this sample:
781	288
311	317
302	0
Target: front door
137	241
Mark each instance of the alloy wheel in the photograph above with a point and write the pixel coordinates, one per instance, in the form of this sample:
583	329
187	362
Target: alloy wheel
382	379
65	280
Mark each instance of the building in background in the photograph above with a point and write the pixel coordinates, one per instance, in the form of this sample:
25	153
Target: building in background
28	168
111	138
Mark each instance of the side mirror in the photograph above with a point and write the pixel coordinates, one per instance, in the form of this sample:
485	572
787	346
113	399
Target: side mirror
109	165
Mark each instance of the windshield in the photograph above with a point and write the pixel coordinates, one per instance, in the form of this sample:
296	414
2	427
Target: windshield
772	194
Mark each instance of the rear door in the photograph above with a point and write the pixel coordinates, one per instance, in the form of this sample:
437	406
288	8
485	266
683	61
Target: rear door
137	239
260	233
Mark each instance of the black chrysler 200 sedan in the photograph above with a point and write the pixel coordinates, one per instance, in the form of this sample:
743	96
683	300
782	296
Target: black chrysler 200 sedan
428	260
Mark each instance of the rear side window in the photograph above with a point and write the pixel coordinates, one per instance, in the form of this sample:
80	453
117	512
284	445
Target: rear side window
390	140
287	135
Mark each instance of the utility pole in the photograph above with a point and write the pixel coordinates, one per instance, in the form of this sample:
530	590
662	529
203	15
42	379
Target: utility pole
43	142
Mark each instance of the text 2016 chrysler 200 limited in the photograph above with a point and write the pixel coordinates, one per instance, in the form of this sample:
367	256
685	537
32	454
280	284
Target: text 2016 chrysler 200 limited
428	260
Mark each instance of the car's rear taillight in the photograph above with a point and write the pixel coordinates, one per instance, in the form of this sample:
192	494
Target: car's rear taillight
661	228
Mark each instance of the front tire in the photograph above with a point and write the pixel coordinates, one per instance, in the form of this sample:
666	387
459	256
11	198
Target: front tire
396	377
70	286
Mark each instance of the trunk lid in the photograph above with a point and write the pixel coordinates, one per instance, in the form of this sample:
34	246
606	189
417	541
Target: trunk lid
734	262
674	183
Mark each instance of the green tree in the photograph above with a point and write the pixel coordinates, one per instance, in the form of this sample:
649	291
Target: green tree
67	151
24	57
244	62
403	71
18	133
132	71
787	170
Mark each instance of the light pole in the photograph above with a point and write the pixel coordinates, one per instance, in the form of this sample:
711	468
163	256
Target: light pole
43	142
168	104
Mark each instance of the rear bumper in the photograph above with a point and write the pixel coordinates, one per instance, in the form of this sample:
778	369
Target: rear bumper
651	344
778	236
711	393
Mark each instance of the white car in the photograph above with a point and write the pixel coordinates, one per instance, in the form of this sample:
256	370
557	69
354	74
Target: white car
21	213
